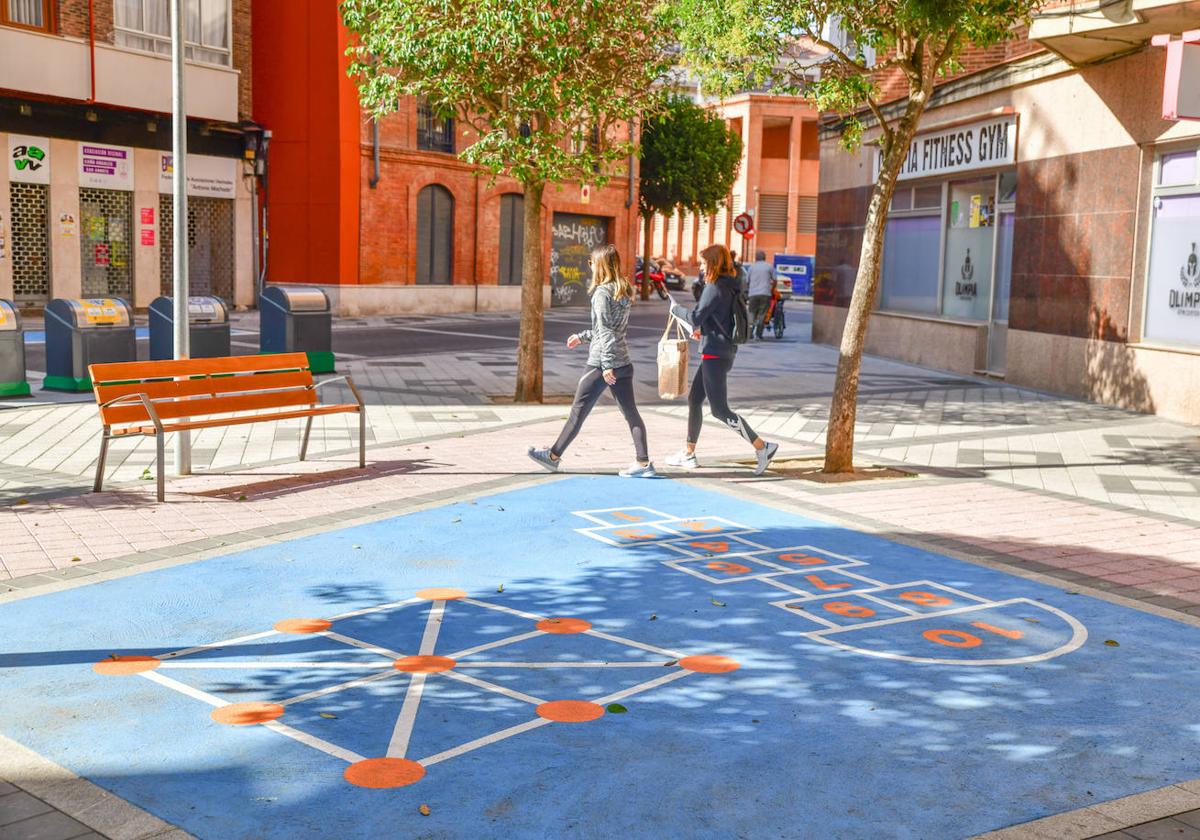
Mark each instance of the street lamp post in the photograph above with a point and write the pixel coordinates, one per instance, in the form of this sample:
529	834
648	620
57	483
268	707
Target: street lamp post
183	443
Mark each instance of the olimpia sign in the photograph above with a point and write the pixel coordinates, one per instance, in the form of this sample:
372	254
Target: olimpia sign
962	148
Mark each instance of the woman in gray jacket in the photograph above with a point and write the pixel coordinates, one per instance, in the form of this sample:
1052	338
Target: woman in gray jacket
608	364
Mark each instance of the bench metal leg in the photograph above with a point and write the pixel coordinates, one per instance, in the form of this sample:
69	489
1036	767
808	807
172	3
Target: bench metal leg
304	439
160	440
100	462
362	438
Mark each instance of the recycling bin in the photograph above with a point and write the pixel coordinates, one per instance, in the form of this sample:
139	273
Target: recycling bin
295	319
12	352
82	332
208	328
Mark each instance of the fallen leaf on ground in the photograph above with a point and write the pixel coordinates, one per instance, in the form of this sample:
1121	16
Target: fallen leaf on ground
76	559
670	664
1034	620
356	546
500	588
616	708
328	716
794	606
424	809
22	501
456	520
242	497
146	476
717	603
1112	643
654	616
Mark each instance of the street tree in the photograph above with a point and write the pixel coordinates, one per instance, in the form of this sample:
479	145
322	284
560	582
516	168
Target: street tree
689	161
739	42
549	88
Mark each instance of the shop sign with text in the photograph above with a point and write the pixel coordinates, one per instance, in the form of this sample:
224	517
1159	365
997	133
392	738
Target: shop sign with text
963	148
207	177
105	167
28	159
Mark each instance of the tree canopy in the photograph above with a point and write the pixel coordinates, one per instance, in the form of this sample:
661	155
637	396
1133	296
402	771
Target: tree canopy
689	159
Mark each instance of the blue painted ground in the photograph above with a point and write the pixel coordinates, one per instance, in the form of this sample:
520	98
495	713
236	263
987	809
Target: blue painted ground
803	740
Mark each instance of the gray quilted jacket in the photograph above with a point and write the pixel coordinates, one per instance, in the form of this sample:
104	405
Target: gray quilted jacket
610	323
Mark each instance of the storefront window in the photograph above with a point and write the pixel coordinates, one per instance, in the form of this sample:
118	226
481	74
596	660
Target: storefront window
967	287
1173	274
910	263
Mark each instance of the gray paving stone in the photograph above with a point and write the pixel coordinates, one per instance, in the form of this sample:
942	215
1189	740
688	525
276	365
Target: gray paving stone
19	806
1167	829
51	826
1191	818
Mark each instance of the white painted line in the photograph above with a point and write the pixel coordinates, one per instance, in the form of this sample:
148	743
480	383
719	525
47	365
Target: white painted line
500	608
226	643
484	741
510	640
276	664
597	664
883	622
451	332
778	584
865	579
653	649
321	692
433	626
346	640
890	604
402	732
646	686
587	514
368	610
314	742
175	685
809	614
490	686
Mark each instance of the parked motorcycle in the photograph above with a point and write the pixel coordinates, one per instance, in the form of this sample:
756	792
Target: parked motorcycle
657	278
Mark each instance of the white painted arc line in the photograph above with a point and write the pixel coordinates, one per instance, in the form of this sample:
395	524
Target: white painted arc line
490	686
314	742
809	614
885	621
646	686
500	608
252	637
368	610
278	664
454	752
346	640
520	637
494	664
321	692
433	626
890	604
652	648
175	685
402	732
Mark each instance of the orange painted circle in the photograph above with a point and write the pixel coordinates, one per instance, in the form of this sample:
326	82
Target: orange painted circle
424	664
384	772
570	711
303	625
709	664
124	666
244	714
441	593
564	626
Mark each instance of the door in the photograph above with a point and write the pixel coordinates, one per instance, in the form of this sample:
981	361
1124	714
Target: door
997	348
106	218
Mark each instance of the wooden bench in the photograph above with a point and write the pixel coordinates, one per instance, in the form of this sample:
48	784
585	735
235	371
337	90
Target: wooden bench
154	398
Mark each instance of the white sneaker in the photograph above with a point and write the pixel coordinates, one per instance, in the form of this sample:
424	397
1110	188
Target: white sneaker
684	460
636	470
765	455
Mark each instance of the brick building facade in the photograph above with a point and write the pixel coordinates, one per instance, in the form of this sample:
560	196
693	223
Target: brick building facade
85	125
387	217
1056	253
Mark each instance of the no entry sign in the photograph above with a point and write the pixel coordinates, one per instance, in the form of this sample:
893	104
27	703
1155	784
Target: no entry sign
744	224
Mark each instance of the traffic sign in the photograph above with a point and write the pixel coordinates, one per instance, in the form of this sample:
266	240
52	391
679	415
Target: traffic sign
744	225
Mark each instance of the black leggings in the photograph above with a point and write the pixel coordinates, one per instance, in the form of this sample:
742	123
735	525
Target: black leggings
591	386
709	383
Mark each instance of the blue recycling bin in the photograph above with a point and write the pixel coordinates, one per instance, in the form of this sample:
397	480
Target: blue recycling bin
799	269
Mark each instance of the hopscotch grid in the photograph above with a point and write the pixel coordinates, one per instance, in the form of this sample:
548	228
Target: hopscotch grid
883	622
784	605
890	605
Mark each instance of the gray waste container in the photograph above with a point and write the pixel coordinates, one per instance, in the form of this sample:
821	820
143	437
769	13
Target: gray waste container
294	319
12	352
208	328
82	332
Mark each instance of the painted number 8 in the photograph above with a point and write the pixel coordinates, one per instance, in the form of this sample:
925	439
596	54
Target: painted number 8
926	599
845	608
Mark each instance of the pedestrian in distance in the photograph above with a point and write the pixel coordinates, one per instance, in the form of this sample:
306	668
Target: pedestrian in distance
608	365
713	320
761	276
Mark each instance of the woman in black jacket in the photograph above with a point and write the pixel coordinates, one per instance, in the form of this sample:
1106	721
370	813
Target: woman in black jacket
712	319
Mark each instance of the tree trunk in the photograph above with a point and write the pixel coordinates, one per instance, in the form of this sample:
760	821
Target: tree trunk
843	410
649	231
529	349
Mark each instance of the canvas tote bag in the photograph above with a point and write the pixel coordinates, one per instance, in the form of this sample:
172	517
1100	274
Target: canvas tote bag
673	361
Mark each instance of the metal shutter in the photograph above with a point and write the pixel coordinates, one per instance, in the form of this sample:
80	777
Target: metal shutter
512	238
435	235
772	213
806	218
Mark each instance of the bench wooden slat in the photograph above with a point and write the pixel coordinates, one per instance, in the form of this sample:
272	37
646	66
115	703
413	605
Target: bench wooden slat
207	386
234	421
126	371
204	406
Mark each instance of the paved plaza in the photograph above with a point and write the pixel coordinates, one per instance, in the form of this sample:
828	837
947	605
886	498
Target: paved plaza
1003	645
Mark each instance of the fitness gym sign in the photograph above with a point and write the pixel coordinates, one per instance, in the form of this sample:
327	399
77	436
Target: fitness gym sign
961	148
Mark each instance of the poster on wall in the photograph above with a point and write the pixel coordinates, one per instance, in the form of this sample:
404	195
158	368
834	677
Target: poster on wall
572	239
106	167
67	225
207	177
28	159
1173	287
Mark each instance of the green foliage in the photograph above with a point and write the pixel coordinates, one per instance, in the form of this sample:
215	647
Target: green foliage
689	159
533	78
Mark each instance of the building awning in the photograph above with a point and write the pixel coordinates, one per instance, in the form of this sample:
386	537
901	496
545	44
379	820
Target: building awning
1181	79
1084	33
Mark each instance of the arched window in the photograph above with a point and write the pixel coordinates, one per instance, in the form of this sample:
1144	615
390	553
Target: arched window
435	235
512	238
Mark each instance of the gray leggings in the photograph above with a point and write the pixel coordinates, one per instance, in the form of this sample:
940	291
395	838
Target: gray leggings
591	386
709	383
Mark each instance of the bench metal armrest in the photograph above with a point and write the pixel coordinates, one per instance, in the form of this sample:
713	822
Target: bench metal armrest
144	399
349	382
